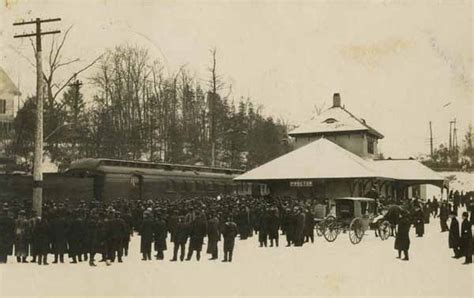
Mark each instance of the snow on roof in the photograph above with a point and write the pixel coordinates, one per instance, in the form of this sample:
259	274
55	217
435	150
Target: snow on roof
317	160
405	169
6	84
335	119
323	159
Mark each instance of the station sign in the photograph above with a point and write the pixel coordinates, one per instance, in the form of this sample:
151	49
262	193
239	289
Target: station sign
301	183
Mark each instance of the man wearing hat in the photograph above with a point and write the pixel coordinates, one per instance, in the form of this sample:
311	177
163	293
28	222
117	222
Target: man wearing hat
160	234
229	233
40	240
466	238
299	226
419	222
92	236
213	236
146	233
197	232
180	238
402	240
21	237
454	237
7	232
59	229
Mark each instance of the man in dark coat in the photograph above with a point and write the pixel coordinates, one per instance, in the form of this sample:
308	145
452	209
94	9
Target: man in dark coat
419	221
273	226
299	227
40	240
309	227
160	234
263	228
213	236
118	229
229	233
21	237
172	224
197	232
32	224
290	227
454	237
443	216
7	232
243	221
127	217
466	238
146	233
92	237
76	235
180	238
59	231
402	240
434	207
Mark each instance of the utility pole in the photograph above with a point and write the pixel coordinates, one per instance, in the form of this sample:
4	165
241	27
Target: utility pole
455	137
431	141
450	136
38	154
76	85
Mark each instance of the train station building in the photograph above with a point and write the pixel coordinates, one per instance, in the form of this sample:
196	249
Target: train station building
336	155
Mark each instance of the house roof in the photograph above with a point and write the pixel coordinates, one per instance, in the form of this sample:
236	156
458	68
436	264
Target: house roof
323	159
334	119
6	84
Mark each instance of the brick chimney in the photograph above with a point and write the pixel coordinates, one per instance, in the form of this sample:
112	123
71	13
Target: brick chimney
336	100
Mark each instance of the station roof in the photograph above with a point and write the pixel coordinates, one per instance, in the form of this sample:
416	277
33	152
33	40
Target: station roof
323	159
334	119
405	169
6	84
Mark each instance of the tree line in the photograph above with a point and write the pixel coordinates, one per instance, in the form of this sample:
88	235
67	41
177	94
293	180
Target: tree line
138	112
458	157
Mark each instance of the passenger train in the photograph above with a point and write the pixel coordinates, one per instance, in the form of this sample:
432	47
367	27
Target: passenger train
109	179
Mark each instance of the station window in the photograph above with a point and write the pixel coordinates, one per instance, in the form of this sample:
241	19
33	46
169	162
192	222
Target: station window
3	106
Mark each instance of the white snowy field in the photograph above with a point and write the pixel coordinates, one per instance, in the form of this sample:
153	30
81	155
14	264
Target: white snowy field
320	269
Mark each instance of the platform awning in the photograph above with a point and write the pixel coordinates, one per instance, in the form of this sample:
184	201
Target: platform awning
407	170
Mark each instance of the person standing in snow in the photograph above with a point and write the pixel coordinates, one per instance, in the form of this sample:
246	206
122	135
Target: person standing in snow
402	240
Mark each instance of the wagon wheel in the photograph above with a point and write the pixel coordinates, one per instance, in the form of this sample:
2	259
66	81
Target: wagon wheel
384	230
319	229
331	229
356	231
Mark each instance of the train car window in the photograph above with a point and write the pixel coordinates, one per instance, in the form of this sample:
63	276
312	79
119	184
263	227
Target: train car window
185	186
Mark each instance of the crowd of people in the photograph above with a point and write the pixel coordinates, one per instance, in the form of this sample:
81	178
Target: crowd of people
87	230
417	213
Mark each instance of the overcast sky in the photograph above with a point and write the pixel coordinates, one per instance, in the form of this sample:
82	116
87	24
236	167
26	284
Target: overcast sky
395	63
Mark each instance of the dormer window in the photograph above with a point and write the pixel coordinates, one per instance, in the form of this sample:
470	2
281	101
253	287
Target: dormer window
330	120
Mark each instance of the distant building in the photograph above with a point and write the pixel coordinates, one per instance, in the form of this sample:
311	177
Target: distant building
8	91
341	127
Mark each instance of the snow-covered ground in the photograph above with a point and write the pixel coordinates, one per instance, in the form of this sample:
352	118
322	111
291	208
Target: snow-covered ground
320	269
